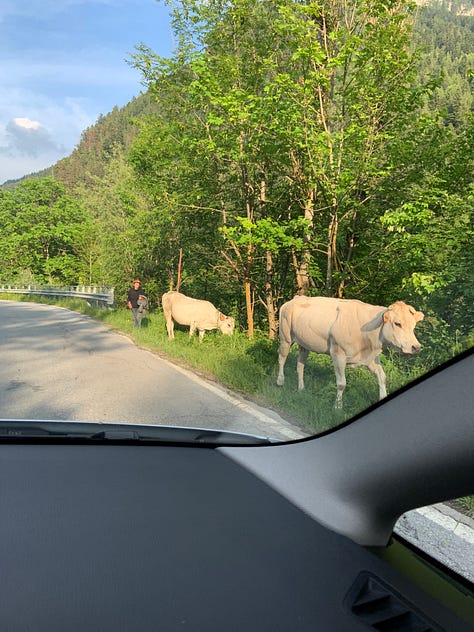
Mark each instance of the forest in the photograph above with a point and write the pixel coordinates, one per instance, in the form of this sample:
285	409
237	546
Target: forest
318	147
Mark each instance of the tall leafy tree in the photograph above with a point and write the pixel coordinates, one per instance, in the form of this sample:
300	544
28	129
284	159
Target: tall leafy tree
42	226
421	241
290	105
119	244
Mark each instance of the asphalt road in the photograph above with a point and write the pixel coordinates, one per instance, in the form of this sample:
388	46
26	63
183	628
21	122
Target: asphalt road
443	533
60	365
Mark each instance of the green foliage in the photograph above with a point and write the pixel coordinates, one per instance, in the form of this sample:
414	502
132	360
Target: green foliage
120	243
273	117
323	147
268	234
446	37
41	226
464	504
98	144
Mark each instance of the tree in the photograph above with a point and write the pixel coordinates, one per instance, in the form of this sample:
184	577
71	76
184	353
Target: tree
119	242
42	225
420	245
290	106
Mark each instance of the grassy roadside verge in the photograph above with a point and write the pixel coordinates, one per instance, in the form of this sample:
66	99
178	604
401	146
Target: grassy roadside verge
250	366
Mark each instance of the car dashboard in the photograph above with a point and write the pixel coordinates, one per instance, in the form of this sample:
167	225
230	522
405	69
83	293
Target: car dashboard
155	537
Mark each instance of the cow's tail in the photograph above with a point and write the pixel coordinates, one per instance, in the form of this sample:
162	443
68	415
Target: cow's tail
284	325
165	304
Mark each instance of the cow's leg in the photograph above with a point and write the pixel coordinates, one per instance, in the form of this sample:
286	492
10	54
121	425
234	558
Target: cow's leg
283	352
201	334
301	361
192	329
339	360
376	368
170	326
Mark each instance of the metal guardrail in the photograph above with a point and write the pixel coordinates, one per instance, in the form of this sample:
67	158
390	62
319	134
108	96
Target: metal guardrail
99	296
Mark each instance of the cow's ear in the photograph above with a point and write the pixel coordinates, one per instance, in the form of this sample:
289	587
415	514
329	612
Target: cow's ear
221	316
419	316
376	322
386	316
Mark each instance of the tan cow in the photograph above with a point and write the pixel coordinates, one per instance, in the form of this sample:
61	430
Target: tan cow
350	331
198	314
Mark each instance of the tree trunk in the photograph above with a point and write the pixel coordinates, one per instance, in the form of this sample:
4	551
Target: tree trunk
351	239
269	299
178	282
302	277
249	306
332	233
270	302
248	260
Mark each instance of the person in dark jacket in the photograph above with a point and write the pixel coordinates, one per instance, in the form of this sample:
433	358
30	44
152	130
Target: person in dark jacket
135	301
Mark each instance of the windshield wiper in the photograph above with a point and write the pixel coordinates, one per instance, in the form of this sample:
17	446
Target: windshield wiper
15	430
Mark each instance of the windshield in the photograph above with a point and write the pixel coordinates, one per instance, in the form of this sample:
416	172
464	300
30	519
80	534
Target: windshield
248	217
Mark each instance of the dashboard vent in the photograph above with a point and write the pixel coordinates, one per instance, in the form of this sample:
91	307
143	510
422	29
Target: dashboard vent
380	607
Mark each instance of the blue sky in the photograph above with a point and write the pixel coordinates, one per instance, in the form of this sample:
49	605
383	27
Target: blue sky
62	63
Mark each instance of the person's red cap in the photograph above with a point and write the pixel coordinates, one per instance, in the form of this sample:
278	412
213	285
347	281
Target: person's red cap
137	281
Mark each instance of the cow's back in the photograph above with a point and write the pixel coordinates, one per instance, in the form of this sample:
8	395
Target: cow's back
308	320
318	322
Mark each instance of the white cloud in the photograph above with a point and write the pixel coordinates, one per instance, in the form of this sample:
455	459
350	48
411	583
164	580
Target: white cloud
29	138
36	131
61	65
25	122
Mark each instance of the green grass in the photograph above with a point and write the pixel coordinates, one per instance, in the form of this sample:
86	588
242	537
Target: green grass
464	504
250	367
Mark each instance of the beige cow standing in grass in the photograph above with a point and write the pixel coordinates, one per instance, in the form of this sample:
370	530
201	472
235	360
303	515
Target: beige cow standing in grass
351	332
194	312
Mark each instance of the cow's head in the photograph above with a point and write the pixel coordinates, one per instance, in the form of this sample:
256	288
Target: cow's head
226	324
398	324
